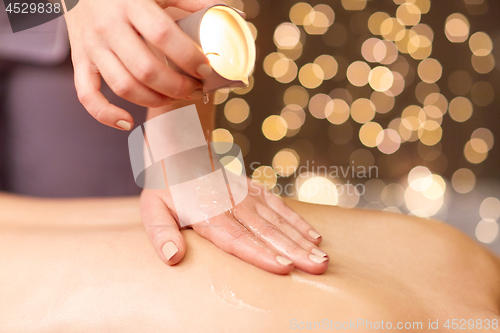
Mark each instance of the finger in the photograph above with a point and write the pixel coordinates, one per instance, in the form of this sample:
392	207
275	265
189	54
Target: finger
270	234
161	31
280	207
124	84
230	236
162	228
292	233
140	61
88	85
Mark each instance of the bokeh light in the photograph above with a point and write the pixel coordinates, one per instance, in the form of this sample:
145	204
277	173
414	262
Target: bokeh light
430	70
362	110
265	176
460	109
490	208
318	190
236	110
364	84
480	44
311	75
463	180
358	72
457	28
274	128
285	162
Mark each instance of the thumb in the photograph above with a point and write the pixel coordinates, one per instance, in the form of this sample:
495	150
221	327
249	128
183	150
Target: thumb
162	228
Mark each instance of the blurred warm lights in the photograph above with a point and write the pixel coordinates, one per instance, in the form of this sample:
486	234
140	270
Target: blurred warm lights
391	95
484	134
358	72
430	70
430	133
337	111
222	135
393	195
476	150
483	64
373	50
236	110
381	79
368	134
487	231
294	116
328	64
348	196
490	208
480	44
296	95
266	176
408	13
383	102
274	128
457	28
424	196
398	85
318	104
375	22
311	75
362	110
460	109
270	60
424	89
299	11
286	162
390	28
354	4
317	22
232	164
286	36
284	70
388	141
318	190
463	180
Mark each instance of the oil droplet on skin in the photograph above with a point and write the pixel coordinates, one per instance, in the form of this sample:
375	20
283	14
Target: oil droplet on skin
234	294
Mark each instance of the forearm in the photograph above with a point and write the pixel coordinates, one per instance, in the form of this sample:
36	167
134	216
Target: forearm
206	113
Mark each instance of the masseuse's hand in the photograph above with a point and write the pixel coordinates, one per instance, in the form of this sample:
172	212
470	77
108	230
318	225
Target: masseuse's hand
261	230
106	41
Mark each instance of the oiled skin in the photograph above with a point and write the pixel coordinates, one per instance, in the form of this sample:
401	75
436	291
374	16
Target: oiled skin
87	266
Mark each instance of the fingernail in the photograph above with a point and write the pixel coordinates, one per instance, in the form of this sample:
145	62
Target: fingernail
316	259
284	261
124	125
169	250
319	253
197	94
314	234
204	71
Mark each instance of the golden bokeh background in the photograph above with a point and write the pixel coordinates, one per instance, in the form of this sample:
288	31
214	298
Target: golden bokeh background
405	90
